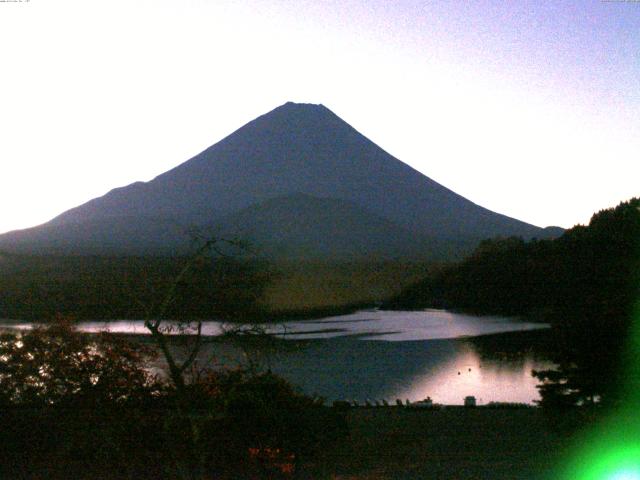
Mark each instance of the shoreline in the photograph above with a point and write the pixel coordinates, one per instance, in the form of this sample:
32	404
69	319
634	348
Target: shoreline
347	368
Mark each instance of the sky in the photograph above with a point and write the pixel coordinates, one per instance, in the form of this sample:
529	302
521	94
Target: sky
528	108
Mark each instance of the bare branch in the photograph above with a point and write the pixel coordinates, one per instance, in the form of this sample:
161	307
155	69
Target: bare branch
194	351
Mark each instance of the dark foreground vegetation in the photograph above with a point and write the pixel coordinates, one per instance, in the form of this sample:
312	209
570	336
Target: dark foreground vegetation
450	443
585	283
82	406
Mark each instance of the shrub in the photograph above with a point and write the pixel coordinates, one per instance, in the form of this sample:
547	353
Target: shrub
57	364
262	426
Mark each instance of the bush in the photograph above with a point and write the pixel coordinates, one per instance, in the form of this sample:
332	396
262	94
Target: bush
76	406
58	365
83	406
260	427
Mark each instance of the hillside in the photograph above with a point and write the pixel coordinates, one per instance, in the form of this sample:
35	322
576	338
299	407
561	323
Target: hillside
278	170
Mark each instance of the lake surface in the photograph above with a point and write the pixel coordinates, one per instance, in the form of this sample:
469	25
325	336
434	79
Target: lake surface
447	370
386	325
376	355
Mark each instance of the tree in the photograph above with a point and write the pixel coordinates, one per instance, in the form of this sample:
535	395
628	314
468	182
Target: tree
593	310
191	419
585	283
196	272
256	425
59	365
75	405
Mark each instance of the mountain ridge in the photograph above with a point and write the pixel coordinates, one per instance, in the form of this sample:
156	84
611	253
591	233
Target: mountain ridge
295	148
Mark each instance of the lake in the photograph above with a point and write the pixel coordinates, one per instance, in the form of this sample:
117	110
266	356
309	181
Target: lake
376	355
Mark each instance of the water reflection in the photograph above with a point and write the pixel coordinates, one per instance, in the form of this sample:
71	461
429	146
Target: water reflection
387	355
468	374
403	326
446	370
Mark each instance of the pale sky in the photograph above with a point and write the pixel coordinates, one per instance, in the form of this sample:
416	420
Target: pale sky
529	108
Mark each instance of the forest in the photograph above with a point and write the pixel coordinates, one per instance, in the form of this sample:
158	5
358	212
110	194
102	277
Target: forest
584	283
39	287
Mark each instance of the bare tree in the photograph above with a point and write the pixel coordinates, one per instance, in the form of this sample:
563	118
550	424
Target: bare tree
156	318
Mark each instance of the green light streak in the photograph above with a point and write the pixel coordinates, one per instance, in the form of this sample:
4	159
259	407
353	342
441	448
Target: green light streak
611	449
626	475
610	462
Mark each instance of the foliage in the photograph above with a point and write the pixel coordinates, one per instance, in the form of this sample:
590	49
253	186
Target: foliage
585	283
105	441
57	364
502	276
83	406
268	430
598	272
245	427
75	405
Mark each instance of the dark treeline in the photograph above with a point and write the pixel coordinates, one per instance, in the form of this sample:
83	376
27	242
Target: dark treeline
236	287
38	288
74	405
585	283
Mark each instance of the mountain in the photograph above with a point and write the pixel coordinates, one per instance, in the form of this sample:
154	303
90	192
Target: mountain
298	181
300	226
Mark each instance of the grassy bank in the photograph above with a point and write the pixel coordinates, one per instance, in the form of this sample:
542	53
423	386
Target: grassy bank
451	443
309	286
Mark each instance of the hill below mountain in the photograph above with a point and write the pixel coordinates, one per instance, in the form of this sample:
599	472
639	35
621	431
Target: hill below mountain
298	181
303	227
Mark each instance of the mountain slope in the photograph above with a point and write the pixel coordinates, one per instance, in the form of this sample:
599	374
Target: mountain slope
294	149
305	227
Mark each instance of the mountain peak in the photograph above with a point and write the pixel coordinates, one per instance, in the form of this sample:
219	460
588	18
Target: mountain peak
297	148
302	110
305	106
